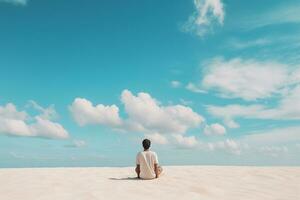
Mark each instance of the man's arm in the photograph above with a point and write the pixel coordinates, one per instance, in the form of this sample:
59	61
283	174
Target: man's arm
138	170
156	170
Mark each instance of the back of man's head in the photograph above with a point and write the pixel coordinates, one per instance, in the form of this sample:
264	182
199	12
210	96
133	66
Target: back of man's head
146	144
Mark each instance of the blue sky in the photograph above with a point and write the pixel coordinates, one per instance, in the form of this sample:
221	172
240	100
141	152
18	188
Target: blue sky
208	81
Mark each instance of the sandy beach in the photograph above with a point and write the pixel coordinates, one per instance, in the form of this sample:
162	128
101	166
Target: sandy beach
177	182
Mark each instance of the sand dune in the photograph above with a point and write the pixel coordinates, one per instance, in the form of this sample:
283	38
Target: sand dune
177	182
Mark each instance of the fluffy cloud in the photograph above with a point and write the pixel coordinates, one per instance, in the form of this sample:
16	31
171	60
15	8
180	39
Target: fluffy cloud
186	141
246	79
144	114
9	111
14	122
15	2
208	13
214	129
48	129
157	138
249	80
252	80
14	127
84	113
151	115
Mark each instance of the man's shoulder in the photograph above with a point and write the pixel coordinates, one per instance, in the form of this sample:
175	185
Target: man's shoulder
139	153
148	152
153	152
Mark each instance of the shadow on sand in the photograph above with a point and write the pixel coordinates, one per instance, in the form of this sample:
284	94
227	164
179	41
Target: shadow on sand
126	179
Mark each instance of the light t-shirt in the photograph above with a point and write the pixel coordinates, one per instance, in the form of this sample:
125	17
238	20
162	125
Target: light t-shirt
146	160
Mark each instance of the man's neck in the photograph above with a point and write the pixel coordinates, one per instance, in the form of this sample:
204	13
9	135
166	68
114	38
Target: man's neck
146	149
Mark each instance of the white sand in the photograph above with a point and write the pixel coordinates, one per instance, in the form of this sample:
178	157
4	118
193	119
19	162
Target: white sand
190	182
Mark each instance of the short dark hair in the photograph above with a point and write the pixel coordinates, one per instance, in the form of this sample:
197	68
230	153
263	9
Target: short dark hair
146	144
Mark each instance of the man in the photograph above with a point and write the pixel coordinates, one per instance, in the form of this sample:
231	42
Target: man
147	163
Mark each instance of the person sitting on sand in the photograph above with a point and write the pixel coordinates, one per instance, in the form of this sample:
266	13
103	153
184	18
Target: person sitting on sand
147	163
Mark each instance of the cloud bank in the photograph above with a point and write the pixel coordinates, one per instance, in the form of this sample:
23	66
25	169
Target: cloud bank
20	123
252	82
288	108
144	115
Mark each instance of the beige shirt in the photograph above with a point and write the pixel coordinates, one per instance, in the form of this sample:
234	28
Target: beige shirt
146	160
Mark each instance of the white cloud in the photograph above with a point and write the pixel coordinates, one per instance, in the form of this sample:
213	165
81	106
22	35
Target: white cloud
9	111
150	114
16	2
48	129
14	122
288	108
249	80
84	112
14	127
144	115
186	141
214	129
175	84
228	145
157	138
208	13
194	88
246	79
